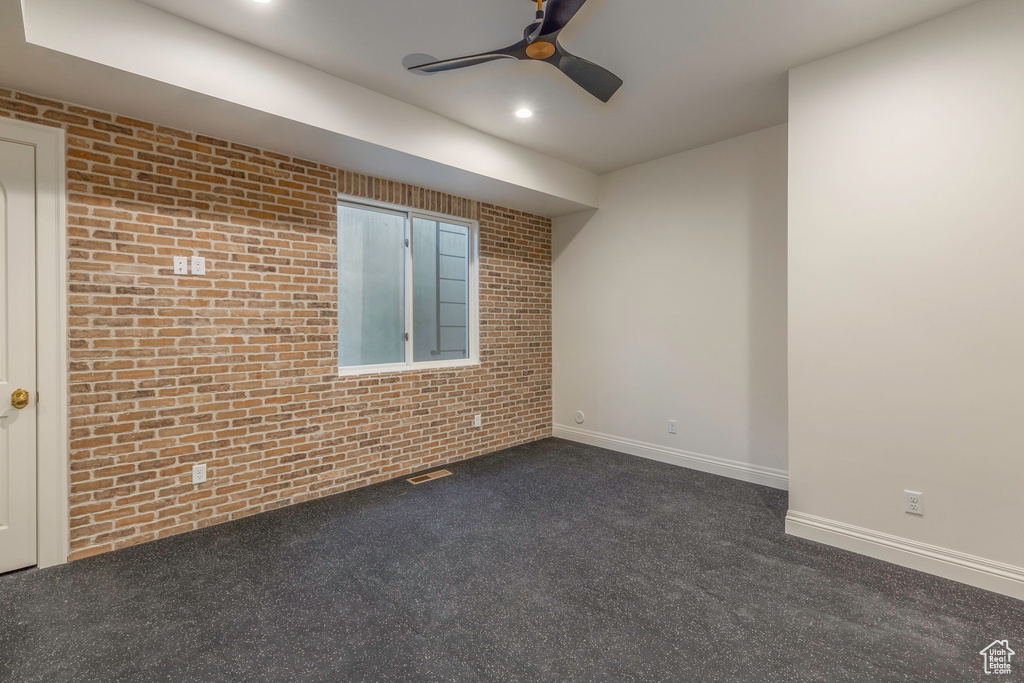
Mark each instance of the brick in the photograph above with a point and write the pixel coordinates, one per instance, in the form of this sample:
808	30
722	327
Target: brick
238	369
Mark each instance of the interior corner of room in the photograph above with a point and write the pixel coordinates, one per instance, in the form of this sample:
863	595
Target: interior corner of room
453	343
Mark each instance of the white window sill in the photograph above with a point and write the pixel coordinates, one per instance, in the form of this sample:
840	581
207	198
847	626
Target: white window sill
404	367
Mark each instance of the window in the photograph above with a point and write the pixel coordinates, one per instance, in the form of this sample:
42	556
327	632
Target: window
406	290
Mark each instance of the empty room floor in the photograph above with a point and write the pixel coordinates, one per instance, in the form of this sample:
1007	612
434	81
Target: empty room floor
552	561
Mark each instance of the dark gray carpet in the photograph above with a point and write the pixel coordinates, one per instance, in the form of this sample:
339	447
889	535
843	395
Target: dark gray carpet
548	562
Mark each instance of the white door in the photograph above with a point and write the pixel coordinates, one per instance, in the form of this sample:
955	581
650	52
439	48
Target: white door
17	356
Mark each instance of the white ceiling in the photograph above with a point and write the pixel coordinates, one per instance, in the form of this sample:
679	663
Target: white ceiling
126	57
695	71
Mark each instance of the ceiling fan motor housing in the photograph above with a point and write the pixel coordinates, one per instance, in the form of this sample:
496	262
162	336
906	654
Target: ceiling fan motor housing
540	50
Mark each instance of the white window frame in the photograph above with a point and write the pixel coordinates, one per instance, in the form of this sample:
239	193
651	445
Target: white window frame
474	291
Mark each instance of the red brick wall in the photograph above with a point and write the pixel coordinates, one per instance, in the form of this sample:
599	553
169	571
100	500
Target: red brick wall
238	369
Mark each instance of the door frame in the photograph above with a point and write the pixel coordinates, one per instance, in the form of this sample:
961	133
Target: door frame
52	448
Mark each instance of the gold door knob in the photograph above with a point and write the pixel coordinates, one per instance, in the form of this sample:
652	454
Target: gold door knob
19	399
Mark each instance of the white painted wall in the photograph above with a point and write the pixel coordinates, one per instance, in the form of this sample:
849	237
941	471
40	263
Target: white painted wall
906	296
670	303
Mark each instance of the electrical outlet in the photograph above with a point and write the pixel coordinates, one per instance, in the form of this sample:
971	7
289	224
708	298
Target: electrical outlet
579	417
913	503
198	474
478	420
198	265
181	265
672	427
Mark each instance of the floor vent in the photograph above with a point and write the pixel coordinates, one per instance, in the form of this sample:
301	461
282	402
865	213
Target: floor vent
429	476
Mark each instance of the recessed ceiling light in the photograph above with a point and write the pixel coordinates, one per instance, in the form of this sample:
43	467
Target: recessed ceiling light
263	2
524	113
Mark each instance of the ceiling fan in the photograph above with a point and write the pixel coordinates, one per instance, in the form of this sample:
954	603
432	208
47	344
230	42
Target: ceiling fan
540	42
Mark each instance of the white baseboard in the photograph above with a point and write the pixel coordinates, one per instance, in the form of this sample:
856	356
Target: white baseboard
756	474
1000	578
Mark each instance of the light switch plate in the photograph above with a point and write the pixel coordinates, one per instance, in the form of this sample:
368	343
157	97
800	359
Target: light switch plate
181	265
198	265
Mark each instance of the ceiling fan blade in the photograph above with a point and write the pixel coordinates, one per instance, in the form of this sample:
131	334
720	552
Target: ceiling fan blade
557	14
512	52
596	80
